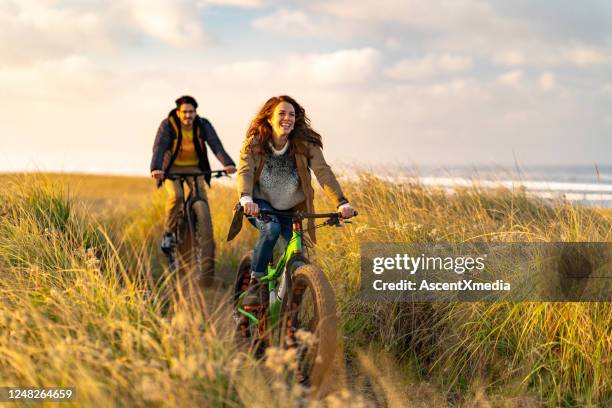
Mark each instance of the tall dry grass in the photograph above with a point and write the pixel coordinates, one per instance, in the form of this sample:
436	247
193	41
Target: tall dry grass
82	305
561	352
86	301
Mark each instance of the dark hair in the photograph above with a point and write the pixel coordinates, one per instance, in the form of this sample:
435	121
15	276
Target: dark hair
261	131
186	99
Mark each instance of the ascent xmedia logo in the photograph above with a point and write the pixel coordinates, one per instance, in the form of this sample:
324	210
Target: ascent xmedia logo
451	272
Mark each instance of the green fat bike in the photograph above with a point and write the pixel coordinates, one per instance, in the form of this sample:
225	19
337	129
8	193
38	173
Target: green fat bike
301	312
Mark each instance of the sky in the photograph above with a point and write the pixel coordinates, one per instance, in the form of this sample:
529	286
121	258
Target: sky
85	84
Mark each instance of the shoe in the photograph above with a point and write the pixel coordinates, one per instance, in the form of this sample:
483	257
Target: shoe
257	293
167	243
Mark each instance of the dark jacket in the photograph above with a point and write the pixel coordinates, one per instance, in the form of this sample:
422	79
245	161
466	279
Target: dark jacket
165	150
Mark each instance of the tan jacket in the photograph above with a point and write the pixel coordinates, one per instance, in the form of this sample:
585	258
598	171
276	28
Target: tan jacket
307	156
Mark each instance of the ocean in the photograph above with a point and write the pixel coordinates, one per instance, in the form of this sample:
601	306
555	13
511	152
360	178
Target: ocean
583	185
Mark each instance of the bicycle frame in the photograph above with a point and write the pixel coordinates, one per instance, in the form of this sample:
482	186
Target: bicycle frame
276	277
194	196
187	204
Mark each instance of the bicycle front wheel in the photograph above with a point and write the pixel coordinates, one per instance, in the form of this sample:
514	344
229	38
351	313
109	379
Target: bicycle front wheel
203	245
310	324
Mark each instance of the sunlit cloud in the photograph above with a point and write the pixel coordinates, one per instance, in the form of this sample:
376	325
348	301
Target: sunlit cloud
585	56
441	15
304	23
288	21
336	68
547	81
429	66
238	3
34	30
510	58
511	78
174	23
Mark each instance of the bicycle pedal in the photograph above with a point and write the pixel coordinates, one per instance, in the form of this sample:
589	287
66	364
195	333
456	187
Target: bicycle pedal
256	308
237	317
302	379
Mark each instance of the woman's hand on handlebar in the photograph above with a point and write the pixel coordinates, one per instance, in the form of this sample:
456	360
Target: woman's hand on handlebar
251	209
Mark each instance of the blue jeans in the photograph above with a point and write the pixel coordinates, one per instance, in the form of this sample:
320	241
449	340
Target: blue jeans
270	229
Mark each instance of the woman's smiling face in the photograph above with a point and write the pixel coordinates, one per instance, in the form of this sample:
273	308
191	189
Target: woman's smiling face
283	119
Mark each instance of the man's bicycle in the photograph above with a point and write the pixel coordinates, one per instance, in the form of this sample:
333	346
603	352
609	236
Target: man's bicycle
194	247
301	313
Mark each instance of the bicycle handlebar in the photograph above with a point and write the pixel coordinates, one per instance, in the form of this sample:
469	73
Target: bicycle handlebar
213	173
301	215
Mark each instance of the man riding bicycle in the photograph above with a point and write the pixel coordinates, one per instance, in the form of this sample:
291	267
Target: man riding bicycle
180	148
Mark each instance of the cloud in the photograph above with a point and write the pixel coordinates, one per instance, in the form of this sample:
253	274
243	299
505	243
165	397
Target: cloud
350	19
287	21
342	67
547	81
301	23
108	104
173	23
235	3
36	30
507	33
511	78
445	14
454	87
483	121
59	75
567	22
244	72
510	58
339	67
393	43
585	56
429	67
476	120
541	55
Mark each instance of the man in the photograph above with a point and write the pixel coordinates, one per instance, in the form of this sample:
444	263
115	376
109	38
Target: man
180	147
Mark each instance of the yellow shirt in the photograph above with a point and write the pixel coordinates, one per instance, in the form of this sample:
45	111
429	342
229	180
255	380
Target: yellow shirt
187	155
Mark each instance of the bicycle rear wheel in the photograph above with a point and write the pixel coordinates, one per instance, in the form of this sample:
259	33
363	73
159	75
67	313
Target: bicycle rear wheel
310	323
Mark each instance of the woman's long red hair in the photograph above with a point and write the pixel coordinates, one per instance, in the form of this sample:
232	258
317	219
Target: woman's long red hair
261	130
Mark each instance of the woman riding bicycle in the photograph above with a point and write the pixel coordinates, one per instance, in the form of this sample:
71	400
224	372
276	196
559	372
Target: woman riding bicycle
274	174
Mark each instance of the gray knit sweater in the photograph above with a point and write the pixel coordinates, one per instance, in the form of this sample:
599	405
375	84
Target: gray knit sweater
279	183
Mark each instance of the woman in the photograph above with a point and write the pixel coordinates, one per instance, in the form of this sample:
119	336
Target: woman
274	174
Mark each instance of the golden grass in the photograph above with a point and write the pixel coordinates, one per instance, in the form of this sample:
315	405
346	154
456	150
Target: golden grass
86	301
559	351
